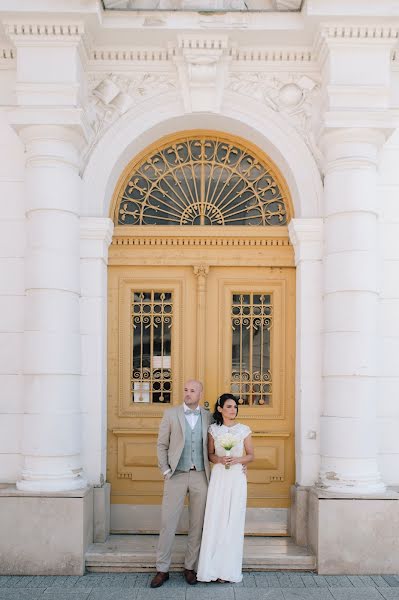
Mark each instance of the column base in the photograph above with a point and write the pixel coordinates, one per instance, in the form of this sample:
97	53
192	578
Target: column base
354	535
51	485
45	533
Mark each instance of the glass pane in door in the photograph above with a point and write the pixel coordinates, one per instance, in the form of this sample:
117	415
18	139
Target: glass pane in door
251	368
152	320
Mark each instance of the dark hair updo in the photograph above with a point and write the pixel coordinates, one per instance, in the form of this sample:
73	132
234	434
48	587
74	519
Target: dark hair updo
217	416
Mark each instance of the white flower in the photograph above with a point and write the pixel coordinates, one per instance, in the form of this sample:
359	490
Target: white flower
227	441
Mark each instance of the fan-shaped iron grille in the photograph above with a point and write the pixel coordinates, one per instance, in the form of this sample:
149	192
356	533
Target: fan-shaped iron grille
201	181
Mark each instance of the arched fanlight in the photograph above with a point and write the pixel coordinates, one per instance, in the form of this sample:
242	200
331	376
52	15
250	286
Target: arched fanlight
202	180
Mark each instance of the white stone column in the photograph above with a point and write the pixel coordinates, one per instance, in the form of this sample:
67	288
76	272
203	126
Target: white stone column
306	237
348	422
95	238
52	430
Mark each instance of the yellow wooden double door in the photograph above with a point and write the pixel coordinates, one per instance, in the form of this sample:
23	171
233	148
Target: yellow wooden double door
231	325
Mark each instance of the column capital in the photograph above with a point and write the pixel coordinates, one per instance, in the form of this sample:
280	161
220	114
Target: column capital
306	235
351	147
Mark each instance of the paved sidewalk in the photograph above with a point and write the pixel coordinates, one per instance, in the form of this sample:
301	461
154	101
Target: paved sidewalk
255	586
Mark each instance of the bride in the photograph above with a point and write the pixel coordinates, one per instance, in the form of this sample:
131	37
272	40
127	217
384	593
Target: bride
223	534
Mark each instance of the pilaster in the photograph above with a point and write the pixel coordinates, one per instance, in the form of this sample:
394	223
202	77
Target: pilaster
306	236
95	238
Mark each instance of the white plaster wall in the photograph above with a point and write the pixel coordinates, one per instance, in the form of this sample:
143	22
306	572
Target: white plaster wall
12	243
388	389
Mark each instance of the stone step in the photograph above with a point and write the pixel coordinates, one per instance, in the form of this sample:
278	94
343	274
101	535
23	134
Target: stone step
134	553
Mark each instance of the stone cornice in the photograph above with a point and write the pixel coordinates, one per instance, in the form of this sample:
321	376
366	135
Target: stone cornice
7	58
346	34
21	32
101	55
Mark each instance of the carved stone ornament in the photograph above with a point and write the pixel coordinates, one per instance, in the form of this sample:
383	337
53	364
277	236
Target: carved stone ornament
202	68
112	95
294	95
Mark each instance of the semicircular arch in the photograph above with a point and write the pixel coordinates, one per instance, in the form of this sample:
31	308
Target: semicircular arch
248	119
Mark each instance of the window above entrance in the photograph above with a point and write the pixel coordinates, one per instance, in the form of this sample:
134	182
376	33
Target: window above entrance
202	180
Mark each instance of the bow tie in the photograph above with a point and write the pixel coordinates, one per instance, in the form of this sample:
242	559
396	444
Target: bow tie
195	412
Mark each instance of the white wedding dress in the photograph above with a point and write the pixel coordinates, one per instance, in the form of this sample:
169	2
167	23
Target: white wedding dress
223	533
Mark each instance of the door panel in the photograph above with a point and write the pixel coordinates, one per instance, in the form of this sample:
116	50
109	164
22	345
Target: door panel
231	326
257	304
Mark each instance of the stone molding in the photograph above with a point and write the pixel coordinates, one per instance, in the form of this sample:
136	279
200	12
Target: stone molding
95	237
27	32
331	34
306	236
202	63
96	228
351	148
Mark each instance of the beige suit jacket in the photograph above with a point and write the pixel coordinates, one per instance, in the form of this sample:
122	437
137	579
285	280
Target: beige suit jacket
171	438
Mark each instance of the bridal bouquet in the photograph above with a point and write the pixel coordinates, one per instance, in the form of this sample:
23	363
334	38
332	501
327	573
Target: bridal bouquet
227	442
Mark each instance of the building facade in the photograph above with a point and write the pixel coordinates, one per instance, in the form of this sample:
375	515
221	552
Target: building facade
210	190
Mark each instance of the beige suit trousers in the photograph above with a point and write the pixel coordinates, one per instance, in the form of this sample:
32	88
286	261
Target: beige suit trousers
195	484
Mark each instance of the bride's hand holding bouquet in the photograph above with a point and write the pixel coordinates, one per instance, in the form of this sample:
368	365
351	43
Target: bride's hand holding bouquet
227	442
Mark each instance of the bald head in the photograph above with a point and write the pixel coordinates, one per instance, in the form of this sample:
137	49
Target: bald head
192	393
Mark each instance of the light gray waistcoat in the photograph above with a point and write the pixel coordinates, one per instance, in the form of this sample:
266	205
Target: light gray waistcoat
193	449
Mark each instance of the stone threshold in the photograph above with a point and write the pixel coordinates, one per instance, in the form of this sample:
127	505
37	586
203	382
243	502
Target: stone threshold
136	553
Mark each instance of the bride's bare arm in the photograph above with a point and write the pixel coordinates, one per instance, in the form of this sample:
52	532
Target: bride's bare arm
211	452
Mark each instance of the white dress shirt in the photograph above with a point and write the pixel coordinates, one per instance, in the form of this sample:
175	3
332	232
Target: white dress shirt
191	419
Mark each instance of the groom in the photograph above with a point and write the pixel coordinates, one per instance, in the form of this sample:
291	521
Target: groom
183	461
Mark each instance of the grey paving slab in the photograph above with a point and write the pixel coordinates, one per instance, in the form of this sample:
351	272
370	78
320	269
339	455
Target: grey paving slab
379	581
296	580
308	580
143	579
64	581
115	579
161	594
361	581
213	591
20	594
248	581
267	580
307	594
258	594
391	580
42	581
338	581
320	581
61	594
119	594
356	593
389	593
284	580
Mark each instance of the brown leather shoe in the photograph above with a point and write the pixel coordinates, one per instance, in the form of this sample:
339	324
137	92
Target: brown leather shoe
190	577
159	579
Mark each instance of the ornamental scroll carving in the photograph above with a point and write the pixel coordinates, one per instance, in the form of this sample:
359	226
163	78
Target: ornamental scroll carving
112	95
295	96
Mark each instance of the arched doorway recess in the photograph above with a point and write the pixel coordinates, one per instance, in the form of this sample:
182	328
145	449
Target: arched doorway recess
201	284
